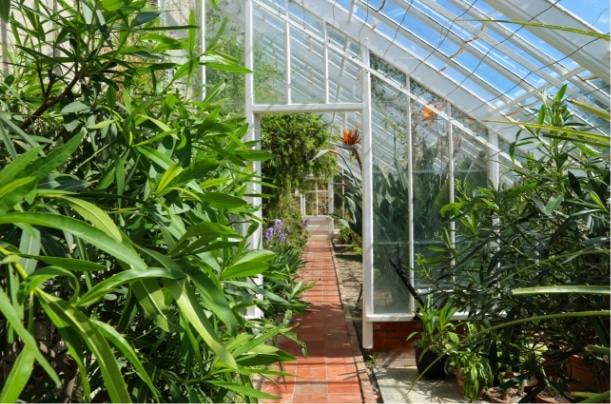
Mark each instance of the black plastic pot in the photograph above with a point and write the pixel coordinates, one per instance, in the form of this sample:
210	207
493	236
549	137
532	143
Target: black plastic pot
436	370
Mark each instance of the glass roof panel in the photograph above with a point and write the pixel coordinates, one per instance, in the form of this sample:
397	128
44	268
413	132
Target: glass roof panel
270	63
489	68
593	12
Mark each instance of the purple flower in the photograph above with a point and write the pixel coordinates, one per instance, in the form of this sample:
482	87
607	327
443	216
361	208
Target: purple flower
282	237
277	225
269	233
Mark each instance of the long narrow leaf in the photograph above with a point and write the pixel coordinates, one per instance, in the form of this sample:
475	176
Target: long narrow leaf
42	275
214	300
130	275
95	215
14	192
243	390
16	167
29	243
189	307
81	230
68	263
43	166
9	313
18	377
19	132
151	297
130	353
572	289
111	373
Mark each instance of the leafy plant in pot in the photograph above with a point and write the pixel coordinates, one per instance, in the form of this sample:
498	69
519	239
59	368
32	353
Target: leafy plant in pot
470	365
437	336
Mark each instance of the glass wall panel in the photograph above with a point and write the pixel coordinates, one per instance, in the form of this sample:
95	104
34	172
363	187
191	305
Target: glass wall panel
431	170
269	59
344	79
307	69
391	195
231	43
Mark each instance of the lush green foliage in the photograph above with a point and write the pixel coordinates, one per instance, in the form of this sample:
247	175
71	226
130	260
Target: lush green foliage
288	243
438	333
550	228
124	247
294	140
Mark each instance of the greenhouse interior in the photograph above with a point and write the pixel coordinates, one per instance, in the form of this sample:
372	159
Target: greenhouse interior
164	164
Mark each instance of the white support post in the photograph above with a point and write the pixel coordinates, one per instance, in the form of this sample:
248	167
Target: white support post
202	32
367	180
254	129
5	46
410	214
450	135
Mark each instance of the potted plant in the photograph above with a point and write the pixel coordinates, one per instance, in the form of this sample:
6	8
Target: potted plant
470	365
520	377
437	336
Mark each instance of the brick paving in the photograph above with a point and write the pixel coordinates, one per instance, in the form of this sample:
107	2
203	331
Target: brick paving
334	370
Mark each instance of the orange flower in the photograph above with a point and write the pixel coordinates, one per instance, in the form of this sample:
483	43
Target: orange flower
429	115
351	137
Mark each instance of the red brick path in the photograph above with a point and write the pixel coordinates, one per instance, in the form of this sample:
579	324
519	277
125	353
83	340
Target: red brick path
334	370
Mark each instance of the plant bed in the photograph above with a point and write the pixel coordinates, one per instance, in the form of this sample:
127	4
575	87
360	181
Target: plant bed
508	395
550	395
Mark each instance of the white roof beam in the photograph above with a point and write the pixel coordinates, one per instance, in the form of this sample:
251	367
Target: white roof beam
449	61
403	60
481	34
593	53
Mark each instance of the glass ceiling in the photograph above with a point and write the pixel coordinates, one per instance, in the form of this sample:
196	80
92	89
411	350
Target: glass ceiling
464	51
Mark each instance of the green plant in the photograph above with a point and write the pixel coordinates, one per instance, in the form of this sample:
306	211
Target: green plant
469	360
281	278
438	330
547	229
294	140
123	273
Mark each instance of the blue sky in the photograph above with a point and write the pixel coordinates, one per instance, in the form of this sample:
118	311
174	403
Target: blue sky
595	12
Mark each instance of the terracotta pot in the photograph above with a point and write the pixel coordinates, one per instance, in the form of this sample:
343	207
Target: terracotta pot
460	380
586	376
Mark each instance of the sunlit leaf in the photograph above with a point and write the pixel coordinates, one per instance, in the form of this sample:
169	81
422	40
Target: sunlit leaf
95	215
111	283
19	375
112	5
80	229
